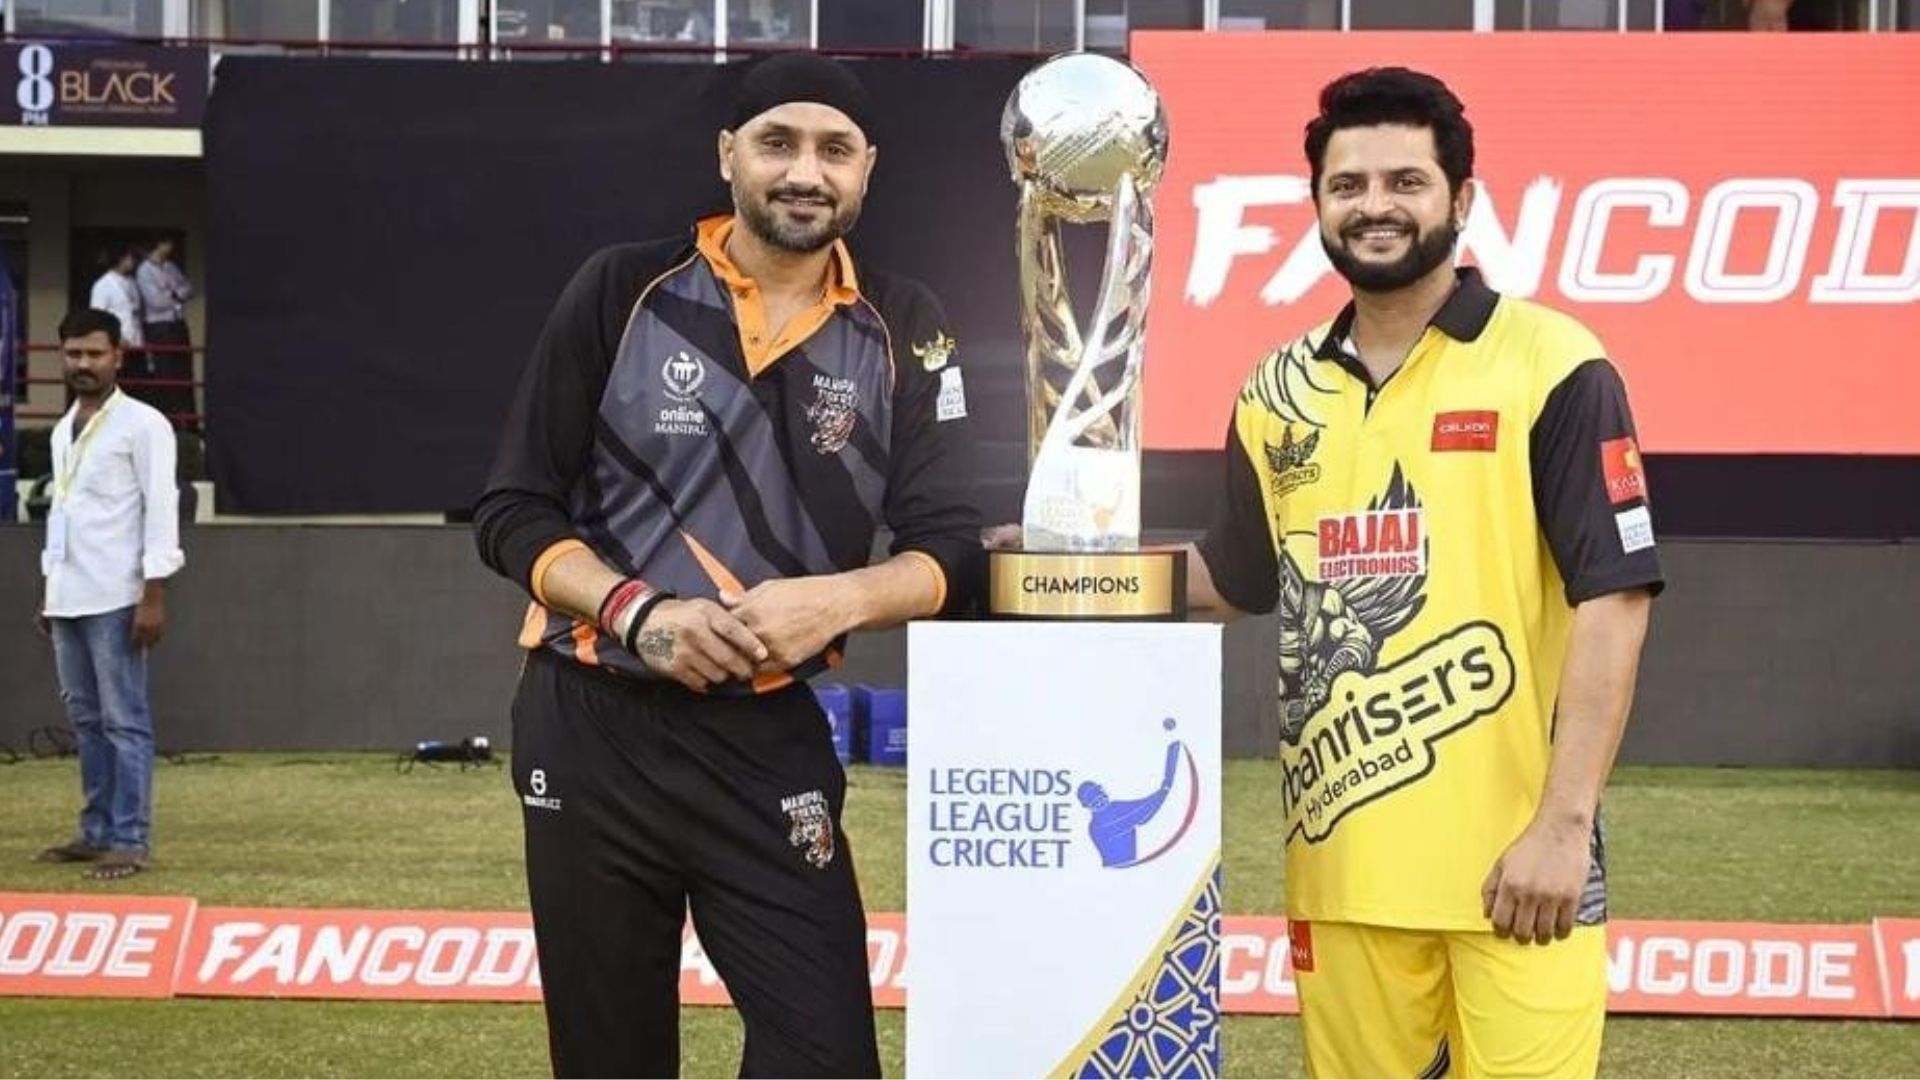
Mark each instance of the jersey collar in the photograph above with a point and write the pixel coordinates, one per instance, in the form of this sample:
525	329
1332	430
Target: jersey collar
1463	317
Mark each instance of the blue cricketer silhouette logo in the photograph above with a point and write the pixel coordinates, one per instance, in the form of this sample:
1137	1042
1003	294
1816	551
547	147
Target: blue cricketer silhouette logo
1115	824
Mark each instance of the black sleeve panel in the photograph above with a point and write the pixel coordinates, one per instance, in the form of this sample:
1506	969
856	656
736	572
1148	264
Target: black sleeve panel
1238	547
1589	488
930	504
548	438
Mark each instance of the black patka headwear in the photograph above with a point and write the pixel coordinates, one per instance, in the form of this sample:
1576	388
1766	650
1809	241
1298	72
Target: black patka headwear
800	76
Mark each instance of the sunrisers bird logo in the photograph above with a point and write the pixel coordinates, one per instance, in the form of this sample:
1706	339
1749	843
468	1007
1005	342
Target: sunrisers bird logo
1353	730
1290	465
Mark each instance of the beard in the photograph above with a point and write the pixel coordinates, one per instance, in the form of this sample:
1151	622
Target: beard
83	382
1428	250
763	217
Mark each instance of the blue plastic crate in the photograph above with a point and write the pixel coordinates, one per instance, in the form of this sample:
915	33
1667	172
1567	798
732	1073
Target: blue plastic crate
837	702
880	714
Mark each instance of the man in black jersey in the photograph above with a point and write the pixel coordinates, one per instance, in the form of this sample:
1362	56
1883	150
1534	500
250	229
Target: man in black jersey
713	428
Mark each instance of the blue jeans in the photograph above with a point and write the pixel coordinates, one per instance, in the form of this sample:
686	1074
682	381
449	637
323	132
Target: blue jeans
103	680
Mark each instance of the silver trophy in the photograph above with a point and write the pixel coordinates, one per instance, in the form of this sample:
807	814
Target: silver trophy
1087	140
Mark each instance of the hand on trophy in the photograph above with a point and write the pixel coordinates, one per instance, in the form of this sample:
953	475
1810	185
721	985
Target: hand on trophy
1003	537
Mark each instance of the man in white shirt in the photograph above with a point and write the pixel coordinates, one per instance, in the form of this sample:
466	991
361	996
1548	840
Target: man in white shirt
164	292
117	293
113	538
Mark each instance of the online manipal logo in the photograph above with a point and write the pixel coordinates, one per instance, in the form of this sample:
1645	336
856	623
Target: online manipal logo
1034	818
683	374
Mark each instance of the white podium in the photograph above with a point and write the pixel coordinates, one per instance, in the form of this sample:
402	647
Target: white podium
1063	864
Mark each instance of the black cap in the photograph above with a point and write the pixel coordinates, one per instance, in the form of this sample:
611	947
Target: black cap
800	76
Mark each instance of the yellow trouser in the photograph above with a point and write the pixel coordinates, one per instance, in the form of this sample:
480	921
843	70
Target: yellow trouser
1380	1001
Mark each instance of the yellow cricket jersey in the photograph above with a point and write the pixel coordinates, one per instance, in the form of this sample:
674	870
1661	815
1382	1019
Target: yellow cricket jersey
1424	543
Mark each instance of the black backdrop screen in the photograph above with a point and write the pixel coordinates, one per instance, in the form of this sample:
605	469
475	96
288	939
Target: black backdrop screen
386	238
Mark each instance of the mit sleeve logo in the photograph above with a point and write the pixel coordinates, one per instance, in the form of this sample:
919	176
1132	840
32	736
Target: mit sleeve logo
1620	464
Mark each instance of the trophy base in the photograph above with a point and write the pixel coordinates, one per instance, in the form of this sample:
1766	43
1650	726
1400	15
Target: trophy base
1114	586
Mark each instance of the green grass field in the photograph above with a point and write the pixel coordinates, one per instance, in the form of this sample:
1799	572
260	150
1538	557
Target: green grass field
347	831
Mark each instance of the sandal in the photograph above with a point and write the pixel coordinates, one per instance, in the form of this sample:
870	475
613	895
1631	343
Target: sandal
71	852
116	865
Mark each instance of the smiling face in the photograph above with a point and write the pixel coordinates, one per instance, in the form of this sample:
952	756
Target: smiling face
1387	216
798	173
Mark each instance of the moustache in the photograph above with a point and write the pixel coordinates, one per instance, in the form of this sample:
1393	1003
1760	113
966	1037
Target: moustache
1356	227
802	193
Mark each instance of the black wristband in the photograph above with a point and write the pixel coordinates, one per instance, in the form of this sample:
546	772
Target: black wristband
641	610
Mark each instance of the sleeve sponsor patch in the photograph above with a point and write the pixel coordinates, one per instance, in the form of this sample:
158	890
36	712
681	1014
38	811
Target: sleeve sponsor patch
952	403
1620	464
1636	529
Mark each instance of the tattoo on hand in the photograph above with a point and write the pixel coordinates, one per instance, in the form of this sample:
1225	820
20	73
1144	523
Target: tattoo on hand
655	645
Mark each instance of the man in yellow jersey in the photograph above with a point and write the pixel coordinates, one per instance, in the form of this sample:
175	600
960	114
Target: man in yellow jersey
1440	492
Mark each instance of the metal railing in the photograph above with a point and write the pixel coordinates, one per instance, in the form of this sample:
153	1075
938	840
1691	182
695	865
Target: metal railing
130	382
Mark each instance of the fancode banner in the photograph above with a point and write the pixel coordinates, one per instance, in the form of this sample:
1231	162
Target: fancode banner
56	84
1708	208
1898	943
1064	823
404	955
66	945
91	946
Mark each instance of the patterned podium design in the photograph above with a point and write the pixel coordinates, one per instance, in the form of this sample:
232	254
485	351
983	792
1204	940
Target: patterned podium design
1171	1027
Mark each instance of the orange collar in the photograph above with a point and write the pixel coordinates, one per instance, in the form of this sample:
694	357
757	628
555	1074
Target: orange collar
712	233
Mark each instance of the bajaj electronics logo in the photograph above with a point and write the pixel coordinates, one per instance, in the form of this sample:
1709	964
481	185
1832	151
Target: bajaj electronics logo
1353	730
1034	818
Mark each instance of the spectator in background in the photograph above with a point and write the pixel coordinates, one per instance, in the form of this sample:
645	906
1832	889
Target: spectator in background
118	294
113	538
164	292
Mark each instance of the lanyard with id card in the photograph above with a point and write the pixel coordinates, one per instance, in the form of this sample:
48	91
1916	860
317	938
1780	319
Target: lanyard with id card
64	478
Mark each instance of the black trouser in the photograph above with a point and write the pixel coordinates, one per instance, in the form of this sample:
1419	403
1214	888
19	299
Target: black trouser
642	800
